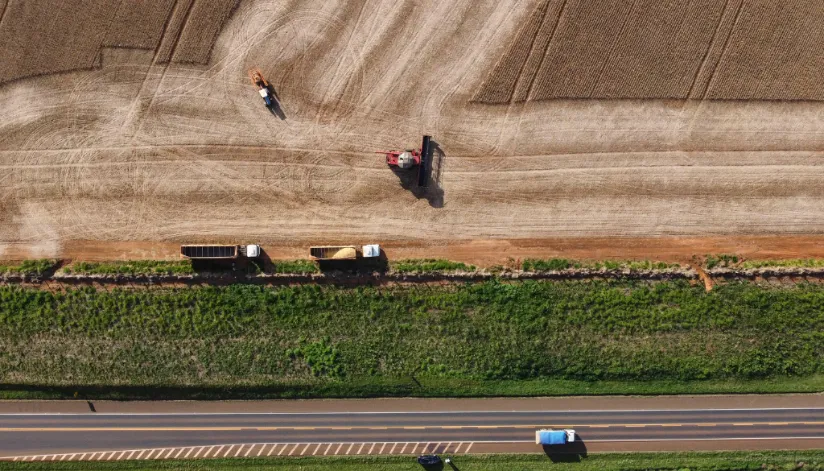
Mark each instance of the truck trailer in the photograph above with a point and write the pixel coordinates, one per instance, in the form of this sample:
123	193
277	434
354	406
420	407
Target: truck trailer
548	437
219	252
344	252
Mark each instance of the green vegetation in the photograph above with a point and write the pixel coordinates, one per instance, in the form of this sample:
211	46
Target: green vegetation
812	460
300	267
564	264
531	337
428	266
801	263
132	267
723	260
29	267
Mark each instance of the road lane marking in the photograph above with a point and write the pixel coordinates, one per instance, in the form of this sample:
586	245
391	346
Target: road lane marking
200	451
217	453
467	448
399	427
176	454
392	451
360	449
326	451
371	448
743	425
381	452
458	449
293	449
305	448
403	449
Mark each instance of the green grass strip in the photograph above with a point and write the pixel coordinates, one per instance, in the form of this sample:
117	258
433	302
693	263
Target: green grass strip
800	263
428	266
553	264
131	267
491	338
692	461
29	267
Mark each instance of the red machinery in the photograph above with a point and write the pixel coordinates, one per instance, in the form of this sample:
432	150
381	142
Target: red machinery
411	158
402	159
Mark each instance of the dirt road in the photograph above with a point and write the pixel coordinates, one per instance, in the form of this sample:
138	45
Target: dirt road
135	152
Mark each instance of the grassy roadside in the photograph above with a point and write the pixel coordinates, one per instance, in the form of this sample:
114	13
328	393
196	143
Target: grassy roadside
491	338
409	387
131	267
693	461
28	267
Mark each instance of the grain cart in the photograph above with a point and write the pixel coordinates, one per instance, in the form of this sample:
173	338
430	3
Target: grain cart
219	252
344	252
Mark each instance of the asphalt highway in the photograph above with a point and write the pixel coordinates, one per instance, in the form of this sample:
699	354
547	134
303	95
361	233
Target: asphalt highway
41	433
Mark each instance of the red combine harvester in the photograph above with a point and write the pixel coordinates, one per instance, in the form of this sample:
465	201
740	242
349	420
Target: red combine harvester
412	158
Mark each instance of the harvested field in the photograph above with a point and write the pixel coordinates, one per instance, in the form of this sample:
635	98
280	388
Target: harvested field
138	151
755	49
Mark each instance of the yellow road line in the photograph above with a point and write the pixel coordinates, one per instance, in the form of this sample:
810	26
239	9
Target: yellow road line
398	427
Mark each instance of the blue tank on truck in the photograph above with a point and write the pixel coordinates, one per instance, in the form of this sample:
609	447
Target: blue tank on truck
554	437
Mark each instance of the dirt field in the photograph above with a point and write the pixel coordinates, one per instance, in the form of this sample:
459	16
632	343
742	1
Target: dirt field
139	152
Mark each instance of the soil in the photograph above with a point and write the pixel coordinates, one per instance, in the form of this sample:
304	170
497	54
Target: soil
134	158
482	253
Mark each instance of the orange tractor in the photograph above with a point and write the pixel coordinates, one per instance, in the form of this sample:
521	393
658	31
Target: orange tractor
263	86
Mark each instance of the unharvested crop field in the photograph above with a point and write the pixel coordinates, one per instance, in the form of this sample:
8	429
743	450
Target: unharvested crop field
734	50
43	37
310	340
138	149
